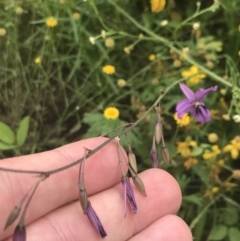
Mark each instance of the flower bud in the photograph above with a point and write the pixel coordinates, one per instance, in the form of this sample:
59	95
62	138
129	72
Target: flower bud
158	132
132	161
83	198
165	154
13	215
20	233
138	182
236	174
154	154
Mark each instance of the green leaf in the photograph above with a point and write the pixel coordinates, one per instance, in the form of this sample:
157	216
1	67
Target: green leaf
6	134
196	151
193	198
218	232
234	234
4	146
22	131
230	216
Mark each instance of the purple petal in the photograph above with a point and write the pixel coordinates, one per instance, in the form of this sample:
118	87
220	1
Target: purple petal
202	114
187	92
183	107
95	220
200	94
19	233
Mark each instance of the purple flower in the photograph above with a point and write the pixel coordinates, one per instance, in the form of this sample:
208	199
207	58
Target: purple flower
19	233
95	220
193	103
128	195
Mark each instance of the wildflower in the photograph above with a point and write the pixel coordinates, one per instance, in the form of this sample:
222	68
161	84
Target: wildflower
234	147
184	121
226	117
236	118
164	23
212	137
108	69
37	60
196	26
157	5
194	74
109	42
190	162
111	113
193	103
92	40
51	22
212	154
128	195
177	63
76	16
215	189
184	148
18	10
223	91
3	31
152	57
121	83
95	220
19	233
220	162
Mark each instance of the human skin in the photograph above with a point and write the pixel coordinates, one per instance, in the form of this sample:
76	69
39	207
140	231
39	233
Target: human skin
55	212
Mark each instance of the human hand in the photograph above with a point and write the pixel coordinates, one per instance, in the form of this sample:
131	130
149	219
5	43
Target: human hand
55	212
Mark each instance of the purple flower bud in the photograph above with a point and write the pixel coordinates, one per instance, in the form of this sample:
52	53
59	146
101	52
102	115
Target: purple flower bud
128	195
154	158
20	233
95	220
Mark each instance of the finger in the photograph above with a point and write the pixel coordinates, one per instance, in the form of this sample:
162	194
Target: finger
101	172
169	227
69	223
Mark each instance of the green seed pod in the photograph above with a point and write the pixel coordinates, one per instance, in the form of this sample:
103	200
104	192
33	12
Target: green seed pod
132	161
165	154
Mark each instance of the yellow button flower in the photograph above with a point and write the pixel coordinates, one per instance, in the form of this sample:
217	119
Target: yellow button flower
234	147
152	57
108	69
111	113
51	22
76	16
212	154
157	5
190	162
184	147
182	122
109	42
194	74
212	137
3	31
37	60
121	83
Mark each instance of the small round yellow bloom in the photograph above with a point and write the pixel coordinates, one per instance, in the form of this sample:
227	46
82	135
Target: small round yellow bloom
212	137
111	113
194	74
108	69
177	63
221	162
121	83
51	22
76	16
190	162
182	122
157	5
18	10
226	117
109	42
37	60
152	57
3	31
155	82
215	189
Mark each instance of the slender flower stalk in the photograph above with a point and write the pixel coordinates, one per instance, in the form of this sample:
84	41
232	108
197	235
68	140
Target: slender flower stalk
194	104
95	220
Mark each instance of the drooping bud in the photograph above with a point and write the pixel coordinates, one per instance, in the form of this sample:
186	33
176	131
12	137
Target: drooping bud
138	182
158	132
20	233
83	198
13	215
154	154
128	195
95	220
132	160
165	154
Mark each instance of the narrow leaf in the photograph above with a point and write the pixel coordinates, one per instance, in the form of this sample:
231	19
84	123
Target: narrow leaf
4	146
6	134
23	131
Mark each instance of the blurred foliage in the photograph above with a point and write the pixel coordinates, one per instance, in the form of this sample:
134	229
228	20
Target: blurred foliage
53	89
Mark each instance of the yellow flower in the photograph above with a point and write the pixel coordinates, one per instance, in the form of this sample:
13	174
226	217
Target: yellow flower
51	22
111	113
190	162
121	83
234	147
184	147
3	31
109	42
152	57
108	69
209	155
76	16
194	75
37	60
18	10
221	162
182	122
157	5
212	137
215	189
